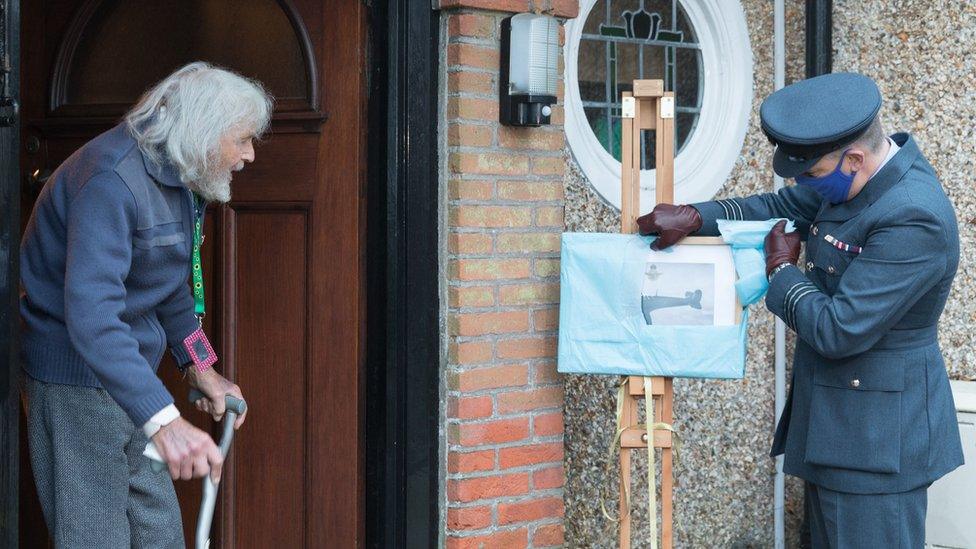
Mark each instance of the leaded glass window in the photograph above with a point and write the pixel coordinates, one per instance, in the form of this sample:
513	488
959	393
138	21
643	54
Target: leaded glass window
624	40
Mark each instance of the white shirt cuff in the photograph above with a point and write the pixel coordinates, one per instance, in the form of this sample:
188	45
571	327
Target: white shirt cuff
163	417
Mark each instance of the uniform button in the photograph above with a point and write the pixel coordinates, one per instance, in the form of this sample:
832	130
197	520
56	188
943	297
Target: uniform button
809	265
830	269
855	383
814	230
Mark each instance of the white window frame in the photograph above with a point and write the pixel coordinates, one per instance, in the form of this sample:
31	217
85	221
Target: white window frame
707	159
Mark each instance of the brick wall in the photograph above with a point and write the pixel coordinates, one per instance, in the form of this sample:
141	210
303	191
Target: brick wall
504	461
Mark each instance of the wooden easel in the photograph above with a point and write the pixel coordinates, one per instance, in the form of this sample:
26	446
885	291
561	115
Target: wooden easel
653	108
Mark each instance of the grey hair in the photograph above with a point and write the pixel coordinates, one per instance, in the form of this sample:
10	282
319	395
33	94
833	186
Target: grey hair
182	118
872	139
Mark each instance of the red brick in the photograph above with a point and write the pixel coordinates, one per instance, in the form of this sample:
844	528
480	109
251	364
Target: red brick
558	117
462	189
469	135
489	163
511	6
526	511
470	407
470	55
510	539
469	518
472	352
490	216
473	296
530	139
493	432
546	267
533	347
545	372
529	294
545	479
528	242
518	456
489	269
469	243
472	108
509	375
478	83
549	165
475	324
471	24
517	539
469	462
535	190
473	489
549	217
549	535
567	9
545	425
535	399
545	320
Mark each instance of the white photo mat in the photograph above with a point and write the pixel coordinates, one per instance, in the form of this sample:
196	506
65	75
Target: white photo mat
691	283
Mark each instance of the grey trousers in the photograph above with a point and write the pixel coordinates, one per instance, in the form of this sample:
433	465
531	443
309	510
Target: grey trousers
839	520
95	486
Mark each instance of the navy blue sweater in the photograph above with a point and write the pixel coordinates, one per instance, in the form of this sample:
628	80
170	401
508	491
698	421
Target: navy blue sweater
105	260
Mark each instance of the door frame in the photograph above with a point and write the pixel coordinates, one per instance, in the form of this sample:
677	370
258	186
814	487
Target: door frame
402	393
401	382
10	178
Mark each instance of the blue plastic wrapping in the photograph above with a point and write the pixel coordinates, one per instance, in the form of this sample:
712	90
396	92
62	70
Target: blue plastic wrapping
602	329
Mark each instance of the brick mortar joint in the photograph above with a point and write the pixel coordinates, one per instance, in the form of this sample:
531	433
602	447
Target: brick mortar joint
519	152
491	42
543	493
534	468
465	6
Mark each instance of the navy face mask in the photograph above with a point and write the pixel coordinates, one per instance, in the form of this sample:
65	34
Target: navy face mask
834	186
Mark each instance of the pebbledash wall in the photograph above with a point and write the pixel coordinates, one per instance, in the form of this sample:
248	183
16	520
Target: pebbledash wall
524	448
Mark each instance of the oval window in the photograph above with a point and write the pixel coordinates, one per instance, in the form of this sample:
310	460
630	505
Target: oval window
699	48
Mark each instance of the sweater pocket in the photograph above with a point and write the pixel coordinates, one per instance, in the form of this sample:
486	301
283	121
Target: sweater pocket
168	234
159	346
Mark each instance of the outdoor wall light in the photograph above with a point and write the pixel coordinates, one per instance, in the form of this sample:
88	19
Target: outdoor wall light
529	68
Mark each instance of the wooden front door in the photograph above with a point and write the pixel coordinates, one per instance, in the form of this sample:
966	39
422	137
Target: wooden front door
283	264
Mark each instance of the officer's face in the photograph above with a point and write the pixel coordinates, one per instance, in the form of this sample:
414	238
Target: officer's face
853	160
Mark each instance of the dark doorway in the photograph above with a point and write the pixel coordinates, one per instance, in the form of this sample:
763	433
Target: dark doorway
368	422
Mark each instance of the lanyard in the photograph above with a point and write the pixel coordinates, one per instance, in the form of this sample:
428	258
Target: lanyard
198	305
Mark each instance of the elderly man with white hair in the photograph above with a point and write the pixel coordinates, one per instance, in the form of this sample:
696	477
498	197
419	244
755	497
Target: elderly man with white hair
113	238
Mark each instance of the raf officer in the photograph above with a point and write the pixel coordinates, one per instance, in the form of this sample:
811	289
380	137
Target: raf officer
869	422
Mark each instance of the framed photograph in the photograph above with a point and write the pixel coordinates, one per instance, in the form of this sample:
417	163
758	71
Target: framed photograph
690	284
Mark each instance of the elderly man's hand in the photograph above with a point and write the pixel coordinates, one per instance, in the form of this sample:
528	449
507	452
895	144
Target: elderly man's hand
781	247
188	451
215	386
671	223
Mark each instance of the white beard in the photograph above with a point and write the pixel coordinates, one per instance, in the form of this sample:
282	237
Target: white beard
214	186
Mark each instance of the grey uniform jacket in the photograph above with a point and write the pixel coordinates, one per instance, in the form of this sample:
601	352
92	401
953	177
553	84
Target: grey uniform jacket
869	409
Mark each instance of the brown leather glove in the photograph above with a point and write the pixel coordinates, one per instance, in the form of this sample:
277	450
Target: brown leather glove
671	223
781	247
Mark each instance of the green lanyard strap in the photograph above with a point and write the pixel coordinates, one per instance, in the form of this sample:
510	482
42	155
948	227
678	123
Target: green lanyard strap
198	305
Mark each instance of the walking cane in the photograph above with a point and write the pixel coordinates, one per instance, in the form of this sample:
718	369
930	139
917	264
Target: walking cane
235	407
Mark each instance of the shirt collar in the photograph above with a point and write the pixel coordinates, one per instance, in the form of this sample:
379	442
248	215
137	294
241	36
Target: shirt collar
893	149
